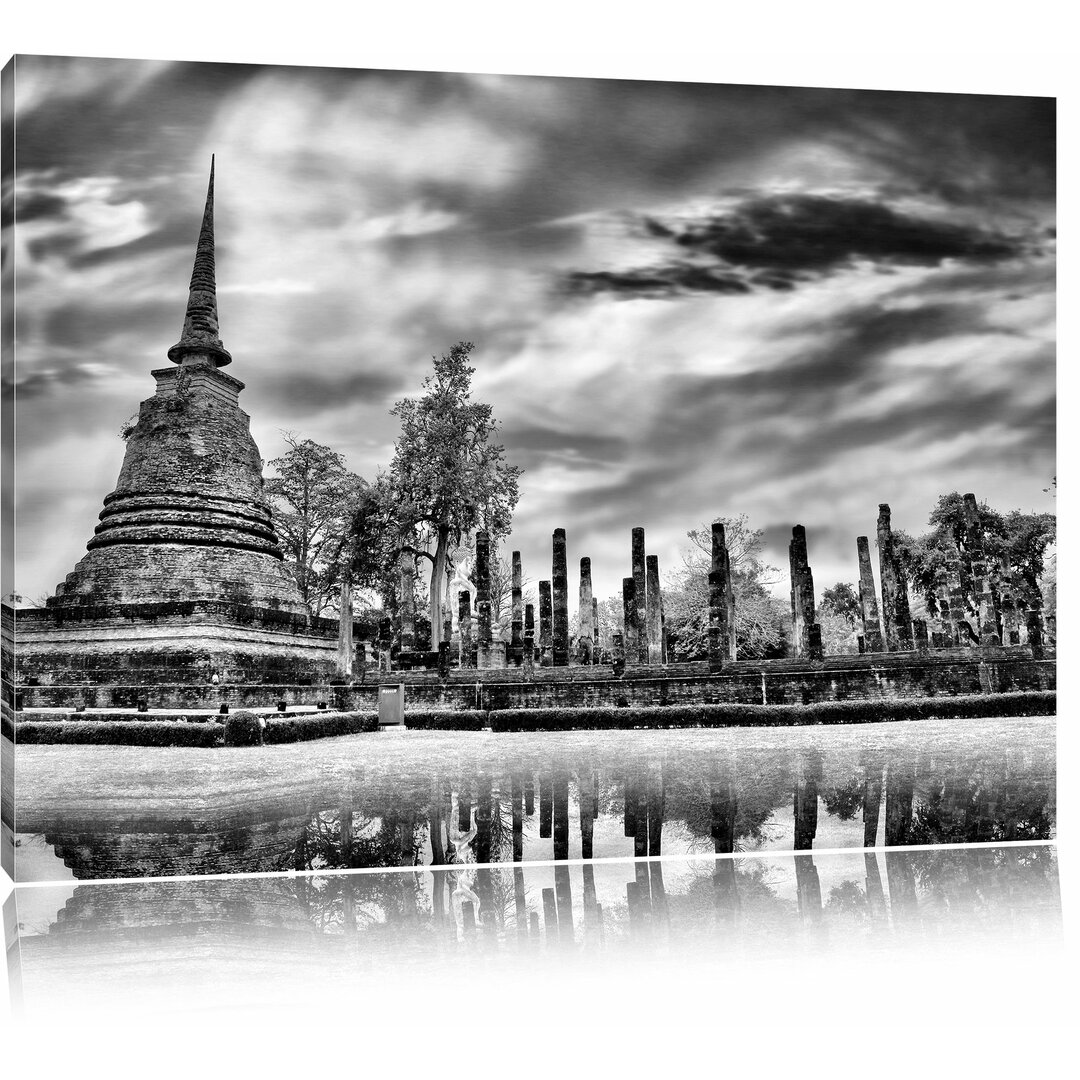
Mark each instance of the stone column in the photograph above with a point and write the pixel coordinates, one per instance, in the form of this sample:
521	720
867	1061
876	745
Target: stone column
868	598
586	630
630	630
980	574
545	624
483	589
719	586
407	603
805	633
528	644
652	609
637	563
945	609
920	635
560	631
895	612
1010	622
466	654
516	624
345	631
595	626
959	614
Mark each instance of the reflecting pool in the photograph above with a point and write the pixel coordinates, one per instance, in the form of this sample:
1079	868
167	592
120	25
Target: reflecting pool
104	948
407	798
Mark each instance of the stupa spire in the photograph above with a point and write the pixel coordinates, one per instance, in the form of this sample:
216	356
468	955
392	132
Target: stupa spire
200	333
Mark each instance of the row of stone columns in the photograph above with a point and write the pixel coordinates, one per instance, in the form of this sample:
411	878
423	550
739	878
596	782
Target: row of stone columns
643	638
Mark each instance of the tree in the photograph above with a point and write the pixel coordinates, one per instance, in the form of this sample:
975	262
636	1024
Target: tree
1017	539
839	615
314	498
447	476
759	616
842	601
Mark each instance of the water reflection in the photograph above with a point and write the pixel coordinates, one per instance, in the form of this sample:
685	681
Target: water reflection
550	797
106	939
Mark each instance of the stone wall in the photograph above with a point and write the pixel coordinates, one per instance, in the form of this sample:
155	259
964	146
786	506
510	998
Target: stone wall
881	676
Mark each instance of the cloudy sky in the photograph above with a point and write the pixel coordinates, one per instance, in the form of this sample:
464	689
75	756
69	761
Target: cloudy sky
687	300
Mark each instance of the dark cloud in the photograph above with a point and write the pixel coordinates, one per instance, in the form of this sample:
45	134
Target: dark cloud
89	327
533	446
38	205
818	233
309	393
656	282
777	242
178	233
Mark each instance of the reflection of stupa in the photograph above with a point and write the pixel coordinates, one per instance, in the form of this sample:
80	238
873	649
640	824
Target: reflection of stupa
184	575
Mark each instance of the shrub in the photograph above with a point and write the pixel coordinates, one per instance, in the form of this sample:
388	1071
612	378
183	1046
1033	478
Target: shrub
243	729
446	720
1021	703
123	733
318	726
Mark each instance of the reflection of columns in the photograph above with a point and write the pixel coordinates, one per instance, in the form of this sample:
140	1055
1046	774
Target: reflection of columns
594	916
629	806
586	804
655	806
724	806
545	624
875	895
560	647
551	917
560	800
808	887
808	771
641	815
725	892
530	795
871	802
464	818
517	825
899	797
903	901
652	609
517	628
868	605
436	824
637	552
565	904
585	613
521	918
545	804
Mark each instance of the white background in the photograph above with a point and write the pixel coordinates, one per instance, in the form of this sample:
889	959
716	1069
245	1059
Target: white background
999	1016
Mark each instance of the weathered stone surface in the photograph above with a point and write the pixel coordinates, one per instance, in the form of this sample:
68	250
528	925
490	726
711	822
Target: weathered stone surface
895	610
560	628
586	628
528	650
804	639
868	598
466	653
631	649
921	635
980	575
721	631
517	628
654	637
637	562
545	624
483	589
187	524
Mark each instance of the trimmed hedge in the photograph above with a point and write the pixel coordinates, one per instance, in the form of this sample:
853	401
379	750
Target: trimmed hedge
243	729
122	733
320	725
99	716
1021	703
445	720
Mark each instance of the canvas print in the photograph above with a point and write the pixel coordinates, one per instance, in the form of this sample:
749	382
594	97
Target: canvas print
427	469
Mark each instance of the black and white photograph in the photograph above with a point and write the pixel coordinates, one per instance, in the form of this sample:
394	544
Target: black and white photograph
466	526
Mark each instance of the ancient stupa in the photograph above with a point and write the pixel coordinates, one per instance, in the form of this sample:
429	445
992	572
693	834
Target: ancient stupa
184	577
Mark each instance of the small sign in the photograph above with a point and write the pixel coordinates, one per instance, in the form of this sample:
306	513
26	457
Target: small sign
392	705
